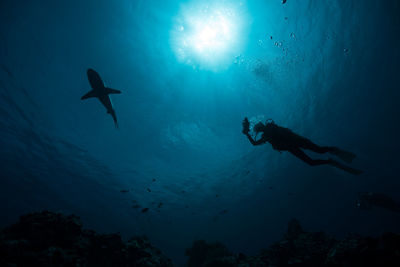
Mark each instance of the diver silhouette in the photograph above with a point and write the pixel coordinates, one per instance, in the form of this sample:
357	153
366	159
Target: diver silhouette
283	139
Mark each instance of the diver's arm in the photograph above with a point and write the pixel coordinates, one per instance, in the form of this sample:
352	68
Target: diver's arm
254	142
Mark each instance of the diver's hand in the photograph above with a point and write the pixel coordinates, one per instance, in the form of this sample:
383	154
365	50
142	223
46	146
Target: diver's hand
246	126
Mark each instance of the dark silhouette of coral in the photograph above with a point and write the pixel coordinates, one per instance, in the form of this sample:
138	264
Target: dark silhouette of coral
300	248
52	239
209	255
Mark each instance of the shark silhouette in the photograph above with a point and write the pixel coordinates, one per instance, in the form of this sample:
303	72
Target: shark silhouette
101	92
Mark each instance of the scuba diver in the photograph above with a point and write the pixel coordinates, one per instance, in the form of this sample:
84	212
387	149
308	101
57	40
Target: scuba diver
368	199
283	139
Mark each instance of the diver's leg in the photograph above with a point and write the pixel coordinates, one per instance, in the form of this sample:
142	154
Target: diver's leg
342	154
304	157
314	162
345	167
307	144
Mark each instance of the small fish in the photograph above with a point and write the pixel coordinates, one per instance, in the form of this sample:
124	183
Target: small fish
223	212
145	210
148	190
160	205
124	191
137	206
154	179
216	195
283	1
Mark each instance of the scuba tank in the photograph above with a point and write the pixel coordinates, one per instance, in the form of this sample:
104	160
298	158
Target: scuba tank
279	137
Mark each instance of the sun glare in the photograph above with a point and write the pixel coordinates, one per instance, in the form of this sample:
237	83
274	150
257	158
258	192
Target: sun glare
206	35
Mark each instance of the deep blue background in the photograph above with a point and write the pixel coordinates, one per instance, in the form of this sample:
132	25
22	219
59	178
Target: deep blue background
335	79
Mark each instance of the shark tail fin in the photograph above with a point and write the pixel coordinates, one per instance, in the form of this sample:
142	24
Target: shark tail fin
114	116
112	91
88	95
116	122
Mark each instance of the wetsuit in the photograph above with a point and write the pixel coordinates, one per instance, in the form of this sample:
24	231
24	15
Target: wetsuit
283	139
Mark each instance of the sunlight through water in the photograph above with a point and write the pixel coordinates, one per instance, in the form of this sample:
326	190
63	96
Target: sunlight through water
208	34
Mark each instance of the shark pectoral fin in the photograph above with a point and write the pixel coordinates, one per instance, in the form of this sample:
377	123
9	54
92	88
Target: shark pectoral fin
112	91
88	95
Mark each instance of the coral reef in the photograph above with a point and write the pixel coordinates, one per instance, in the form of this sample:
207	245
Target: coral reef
300	248
209	254
52	239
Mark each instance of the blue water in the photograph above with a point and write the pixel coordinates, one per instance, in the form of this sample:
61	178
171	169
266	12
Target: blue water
330	73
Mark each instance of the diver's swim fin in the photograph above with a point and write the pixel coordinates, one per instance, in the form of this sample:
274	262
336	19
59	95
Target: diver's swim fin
343	155
345	167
